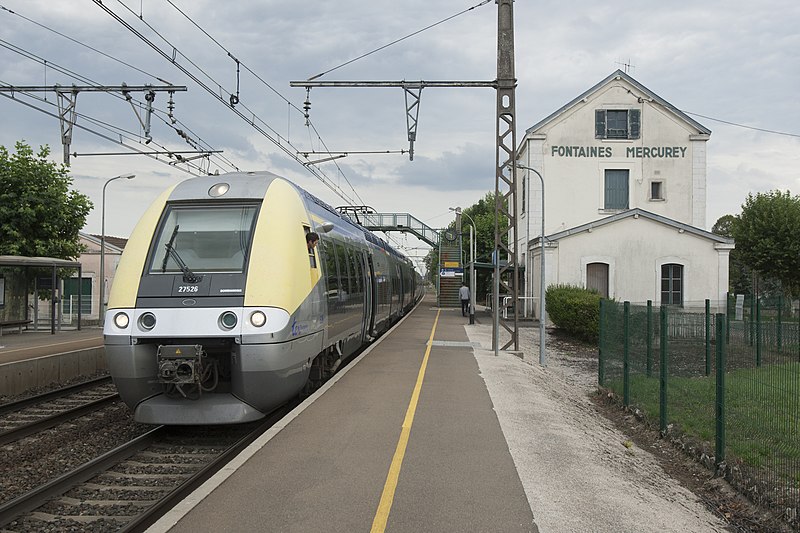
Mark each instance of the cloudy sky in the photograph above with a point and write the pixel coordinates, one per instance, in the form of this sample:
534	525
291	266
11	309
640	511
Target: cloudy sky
734	66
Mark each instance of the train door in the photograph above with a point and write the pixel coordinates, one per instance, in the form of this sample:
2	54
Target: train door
370	299
401	292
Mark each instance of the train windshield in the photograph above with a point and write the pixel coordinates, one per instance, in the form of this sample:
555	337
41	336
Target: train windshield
204	239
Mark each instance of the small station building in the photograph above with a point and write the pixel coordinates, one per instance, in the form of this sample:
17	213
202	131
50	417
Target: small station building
624	175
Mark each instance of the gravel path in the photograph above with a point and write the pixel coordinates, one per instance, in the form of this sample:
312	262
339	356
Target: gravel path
579	472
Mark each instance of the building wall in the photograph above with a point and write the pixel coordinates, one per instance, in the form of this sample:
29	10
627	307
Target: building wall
635	250
574	179
670	148
90	261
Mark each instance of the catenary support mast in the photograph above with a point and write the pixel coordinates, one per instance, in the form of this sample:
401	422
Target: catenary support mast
506	144
505	276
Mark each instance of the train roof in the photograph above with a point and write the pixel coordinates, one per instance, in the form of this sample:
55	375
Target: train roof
249	185
368	235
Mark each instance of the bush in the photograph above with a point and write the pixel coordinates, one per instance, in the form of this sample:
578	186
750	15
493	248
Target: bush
575	310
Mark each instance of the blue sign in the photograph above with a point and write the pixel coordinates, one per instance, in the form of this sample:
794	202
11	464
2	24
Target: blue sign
451	272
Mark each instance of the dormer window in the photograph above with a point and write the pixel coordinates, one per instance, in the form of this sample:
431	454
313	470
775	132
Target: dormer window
617	123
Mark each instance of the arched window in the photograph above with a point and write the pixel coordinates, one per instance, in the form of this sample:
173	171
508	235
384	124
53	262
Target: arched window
671	284
597	278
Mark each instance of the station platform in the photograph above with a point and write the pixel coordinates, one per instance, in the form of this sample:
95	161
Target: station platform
29	343
405	439
33	359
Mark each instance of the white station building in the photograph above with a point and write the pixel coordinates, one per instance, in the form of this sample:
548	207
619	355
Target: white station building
624	175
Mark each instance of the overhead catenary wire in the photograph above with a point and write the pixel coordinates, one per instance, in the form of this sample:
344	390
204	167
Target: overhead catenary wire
251	121
269	86
728	122
170	123
89	130
745	126
120	132
88	81
484	2
78	42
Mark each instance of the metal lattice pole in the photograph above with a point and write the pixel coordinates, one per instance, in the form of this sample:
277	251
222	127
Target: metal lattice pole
506	161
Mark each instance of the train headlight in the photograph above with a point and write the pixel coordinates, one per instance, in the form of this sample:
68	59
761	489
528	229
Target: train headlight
147	321
121	320
228	320
258	318
218	190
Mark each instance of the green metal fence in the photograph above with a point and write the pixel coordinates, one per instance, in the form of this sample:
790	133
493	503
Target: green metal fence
726	384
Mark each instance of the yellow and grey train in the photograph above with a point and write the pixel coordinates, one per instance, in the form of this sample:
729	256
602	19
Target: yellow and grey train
219	312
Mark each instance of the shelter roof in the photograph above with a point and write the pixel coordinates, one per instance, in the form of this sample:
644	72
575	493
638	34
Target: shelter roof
23	261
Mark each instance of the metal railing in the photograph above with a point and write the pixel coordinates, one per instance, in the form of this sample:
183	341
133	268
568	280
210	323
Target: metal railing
399	222
730	388
507	305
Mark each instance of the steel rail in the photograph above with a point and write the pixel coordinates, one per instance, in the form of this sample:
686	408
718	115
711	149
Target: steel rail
40	495
151	515
58	393
45	423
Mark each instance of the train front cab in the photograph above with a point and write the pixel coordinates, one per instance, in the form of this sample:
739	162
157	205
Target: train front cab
262	364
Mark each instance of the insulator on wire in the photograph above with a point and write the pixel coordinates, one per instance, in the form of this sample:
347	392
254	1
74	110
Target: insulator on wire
307	105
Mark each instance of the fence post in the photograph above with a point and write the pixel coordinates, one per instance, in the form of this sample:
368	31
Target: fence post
649	338
601	355
780	323
758	332
728	307
708	337
626	386
730	314
752	328
719	455
662	386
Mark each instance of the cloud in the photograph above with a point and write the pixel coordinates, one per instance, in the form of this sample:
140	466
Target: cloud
724	59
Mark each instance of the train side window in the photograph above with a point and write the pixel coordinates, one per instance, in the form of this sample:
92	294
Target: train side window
355	272
344	283
329	258
360	270
312	258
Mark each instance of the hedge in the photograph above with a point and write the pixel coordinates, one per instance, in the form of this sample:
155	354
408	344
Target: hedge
575	310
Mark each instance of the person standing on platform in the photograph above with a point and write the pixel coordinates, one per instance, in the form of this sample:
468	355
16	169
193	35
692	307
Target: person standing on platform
463	294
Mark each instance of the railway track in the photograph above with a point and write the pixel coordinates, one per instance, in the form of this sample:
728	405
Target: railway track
31	415
130	487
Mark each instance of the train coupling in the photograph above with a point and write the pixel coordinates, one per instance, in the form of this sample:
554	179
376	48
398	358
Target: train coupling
180	363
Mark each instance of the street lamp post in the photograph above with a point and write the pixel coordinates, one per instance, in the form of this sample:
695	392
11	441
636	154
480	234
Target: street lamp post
472	249
103	246
542	312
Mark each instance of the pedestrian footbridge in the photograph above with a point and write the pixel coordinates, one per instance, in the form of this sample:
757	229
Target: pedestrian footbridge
403	222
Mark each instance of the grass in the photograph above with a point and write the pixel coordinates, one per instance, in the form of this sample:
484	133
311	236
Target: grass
762	418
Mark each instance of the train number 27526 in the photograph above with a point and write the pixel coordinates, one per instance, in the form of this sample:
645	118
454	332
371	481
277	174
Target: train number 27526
187	288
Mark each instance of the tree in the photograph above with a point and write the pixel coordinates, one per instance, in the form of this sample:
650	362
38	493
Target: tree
739	275
723	226
766	236
483	213
39	214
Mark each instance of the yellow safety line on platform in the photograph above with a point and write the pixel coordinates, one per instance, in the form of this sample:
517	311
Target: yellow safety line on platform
382	515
